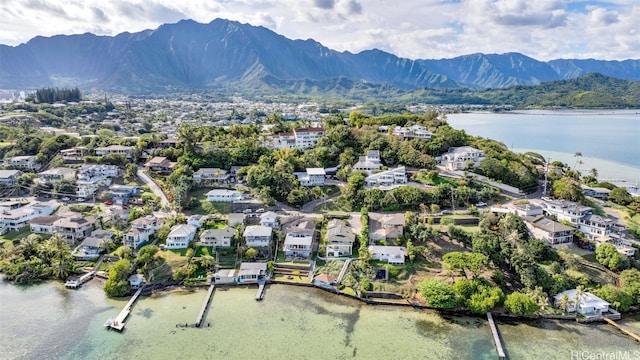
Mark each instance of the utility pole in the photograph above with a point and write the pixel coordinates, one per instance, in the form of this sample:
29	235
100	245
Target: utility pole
546	171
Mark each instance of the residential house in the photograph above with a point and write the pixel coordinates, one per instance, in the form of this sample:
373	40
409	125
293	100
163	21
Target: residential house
27	162
120	194
552	232
89	249
369	163
223	276
301	138
97	173
312	177
596	226
585	304
298	243
308	137
412	132
269	219
74	154
258	236
136	280
160	164
224	195
595	192
385	226
565	210
217	237
339	238
43	224
127	151
527	210
390	254
325	281
14	216
388	178
251	273
170	142
9	177
75	227
211	176
56	174
459	158
141	231
582	217
180	236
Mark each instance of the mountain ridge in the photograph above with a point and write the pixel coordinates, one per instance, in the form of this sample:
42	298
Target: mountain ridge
189	55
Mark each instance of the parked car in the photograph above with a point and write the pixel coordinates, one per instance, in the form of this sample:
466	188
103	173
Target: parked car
261	210
247	211
81	199
446	212
108	202
66	198
481	204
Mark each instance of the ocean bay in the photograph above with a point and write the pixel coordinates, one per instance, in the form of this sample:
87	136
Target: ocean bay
608	140
291	322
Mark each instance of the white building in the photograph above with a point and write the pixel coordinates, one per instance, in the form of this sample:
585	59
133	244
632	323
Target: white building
96	173
27	162
257	236
141	231
390	254
587	304
388	178
312	177
115	149
55	174
339	238
369	163
301	138
459	158
43	224
224	195
299	240
269	219
211	175
217	237
9	177
180	236
412	132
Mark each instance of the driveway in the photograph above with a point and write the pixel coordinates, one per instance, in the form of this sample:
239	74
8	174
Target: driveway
154	187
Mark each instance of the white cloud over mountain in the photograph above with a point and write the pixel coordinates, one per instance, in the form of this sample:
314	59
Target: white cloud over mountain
543	29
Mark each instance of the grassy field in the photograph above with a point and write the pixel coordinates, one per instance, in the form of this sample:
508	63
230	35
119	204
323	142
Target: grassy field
16	235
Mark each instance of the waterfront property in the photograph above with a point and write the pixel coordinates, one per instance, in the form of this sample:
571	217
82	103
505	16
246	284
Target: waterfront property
298	243
141	231
585	303
217	237
258	236
74	228
180	236
390	254
339	238
251	273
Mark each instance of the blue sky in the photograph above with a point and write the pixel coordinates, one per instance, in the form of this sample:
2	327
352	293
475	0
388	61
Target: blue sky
427	29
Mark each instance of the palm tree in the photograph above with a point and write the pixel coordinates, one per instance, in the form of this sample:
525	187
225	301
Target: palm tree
564	302
577	155
594	173
580	294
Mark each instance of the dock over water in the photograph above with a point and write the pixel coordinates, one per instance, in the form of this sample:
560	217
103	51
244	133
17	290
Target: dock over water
260	293
496	336
624	330
118	322
205	306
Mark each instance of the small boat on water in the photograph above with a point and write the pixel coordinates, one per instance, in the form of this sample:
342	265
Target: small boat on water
108	322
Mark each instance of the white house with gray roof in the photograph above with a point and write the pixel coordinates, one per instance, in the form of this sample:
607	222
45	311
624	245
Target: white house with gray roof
180	236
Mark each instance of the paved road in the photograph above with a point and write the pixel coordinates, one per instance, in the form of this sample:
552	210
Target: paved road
154	187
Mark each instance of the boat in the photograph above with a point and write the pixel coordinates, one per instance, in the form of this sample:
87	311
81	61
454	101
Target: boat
108	322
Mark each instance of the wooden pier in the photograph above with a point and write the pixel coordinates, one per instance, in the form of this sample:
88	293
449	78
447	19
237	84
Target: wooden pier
205	306
496	336
260	293
621	328
118	322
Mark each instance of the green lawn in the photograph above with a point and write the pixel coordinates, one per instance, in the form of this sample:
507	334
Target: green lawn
16	235
199	205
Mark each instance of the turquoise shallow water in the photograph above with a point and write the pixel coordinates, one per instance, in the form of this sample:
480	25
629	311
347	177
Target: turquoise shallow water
49	321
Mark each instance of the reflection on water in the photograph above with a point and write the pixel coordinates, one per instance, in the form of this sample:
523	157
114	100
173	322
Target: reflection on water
48	321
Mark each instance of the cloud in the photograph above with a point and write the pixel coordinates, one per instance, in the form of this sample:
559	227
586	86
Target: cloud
543	29
324	4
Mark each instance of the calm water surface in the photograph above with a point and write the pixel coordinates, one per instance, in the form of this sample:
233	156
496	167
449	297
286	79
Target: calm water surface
608	140
49	321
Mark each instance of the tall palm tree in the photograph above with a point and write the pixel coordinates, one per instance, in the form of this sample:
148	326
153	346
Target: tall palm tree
594	172
564	302
580	294
577	155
